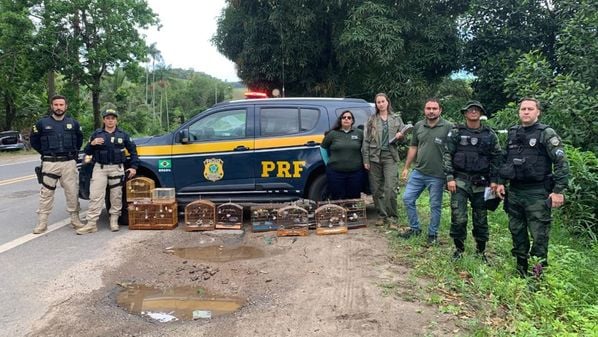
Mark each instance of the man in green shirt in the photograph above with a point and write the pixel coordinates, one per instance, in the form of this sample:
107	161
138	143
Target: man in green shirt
426	148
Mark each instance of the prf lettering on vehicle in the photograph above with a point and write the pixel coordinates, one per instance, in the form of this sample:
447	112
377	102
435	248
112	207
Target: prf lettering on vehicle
282	169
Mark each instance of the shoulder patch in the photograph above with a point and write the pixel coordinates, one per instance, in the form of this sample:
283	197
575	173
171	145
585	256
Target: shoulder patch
555	141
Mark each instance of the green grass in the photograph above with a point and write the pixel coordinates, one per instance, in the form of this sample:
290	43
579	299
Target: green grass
490	300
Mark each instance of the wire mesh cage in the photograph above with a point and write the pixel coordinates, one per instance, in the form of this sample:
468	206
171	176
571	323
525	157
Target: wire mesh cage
356	211
331	219
229	216
153	216
264	217
310	206
200	215
139	189
292	221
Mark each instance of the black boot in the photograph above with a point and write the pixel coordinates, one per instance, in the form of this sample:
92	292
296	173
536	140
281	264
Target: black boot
480	250
522	267
459	249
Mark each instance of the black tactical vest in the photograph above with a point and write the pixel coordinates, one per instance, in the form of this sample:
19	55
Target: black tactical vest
59	138
472	154
113	150
527	157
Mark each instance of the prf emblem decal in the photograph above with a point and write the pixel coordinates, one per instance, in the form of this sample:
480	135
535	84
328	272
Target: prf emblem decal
212	169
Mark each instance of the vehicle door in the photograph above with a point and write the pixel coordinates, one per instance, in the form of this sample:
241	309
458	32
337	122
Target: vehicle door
217	158
287	146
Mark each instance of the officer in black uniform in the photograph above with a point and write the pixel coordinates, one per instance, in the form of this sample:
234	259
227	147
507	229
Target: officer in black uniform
58	139
107	146
472	159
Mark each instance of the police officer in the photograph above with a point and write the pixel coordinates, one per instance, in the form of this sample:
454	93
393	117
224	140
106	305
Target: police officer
58	139
107	145
537	171
472	159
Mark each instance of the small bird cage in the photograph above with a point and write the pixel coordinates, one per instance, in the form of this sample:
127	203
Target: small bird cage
140	189
292	221
264	217
200	215
229	216
163	196
153	216
356	211
331	219
310	206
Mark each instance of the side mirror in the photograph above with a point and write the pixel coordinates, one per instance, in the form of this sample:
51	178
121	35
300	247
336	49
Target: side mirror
184	136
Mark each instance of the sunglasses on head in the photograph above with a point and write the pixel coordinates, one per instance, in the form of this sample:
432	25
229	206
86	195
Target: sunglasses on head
347	117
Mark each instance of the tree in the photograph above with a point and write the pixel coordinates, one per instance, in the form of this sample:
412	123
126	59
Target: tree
17	77
89	37
342	48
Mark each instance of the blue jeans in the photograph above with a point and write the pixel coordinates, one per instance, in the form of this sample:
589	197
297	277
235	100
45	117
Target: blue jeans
416	184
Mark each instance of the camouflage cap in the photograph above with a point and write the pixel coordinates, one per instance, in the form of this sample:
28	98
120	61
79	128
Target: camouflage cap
473	103
108	112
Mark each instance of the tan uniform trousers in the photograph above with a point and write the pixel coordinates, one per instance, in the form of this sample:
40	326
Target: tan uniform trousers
69	180
104	175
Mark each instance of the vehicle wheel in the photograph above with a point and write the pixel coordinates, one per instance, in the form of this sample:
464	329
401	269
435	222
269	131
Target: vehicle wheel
318	190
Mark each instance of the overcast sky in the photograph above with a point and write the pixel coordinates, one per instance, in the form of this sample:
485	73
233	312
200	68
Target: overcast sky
184	39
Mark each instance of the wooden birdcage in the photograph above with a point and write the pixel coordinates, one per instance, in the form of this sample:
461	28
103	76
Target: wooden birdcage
153	216
331	219
140	189
356	211
264	217
200	215
310	206
292	221
229	216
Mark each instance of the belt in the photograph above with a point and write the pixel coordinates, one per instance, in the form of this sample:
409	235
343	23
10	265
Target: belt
56	158
521	184
468	177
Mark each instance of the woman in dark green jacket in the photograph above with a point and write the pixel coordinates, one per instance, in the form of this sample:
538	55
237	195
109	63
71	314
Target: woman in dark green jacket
381	157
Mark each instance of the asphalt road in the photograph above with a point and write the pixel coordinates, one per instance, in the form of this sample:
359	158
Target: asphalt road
30	262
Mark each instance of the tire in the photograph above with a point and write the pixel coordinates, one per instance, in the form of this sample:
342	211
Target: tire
318	190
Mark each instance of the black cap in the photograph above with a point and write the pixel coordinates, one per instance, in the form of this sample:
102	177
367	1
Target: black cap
108	112
473	103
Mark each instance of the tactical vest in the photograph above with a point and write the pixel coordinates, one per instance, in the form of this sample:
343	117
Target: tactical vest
113	150
527	157
59	138
472	154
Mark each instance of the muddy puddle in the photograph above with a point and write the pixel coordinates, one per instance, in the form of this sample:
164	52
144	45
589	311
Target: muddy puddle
217	253
182	303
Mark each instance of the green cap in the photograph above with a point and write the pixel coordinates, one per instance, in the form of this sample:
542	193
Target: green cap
108	112
473	103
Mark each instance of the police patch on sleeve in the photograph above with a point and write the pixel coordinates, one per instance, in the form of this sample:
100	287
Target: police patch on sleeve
555	141
559	153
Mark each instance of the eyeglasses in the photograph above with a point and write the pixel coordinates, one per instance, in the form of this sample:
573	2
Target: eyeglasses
347	117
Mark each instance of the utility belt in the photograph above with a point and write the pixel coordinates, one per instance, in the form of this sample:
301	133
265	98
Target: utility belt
57	158
547	184
476	179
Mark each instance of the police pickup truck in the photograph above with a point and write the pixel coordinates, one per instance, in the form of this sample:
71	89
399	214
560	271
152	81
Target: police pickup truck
245	151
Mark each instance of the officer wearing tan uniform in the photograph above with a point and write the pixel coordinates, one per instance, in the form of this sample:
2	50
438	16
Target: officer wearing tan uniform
58	139
107	145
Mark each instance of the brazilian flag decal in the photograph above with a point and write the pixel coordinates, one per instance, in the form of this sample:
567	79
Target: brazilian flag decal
164	164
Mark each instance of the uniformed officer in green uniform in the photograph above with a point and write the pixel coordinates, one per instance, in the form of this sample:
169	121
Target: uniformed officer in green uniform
537	171
472	158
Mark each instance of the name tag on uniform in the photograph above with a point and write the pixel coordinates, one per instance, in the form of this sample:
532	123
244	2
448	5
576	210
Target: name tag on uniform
354	137
437	140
